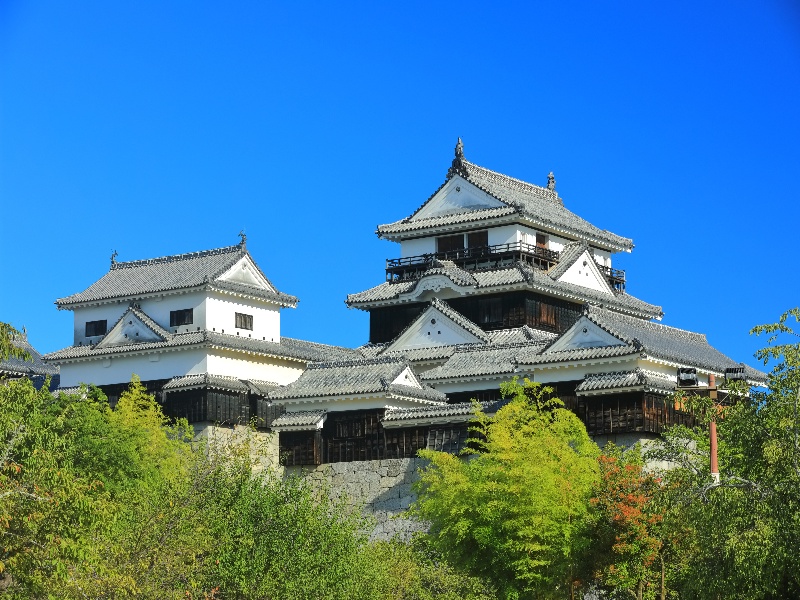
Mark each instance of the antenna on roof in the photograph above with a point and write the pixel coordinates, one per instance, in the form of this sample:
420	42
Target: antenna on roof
114	255
551	182
458	167
242	235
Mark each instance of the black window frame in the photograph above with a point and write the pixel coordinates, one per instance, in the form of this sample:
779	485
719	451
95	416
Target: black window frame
96	327
478	239
243	321
183	316
450	243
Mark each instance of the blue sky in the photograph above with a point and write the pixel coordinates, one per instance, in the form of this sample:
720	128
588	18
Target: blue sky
156	128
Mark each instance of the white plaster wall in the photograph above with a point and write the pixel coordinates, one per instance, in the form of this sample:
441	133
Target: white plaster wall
441	333
157	308
118	369
602	257
507	234
554	242
110	312
251	366
417	246
587	275
221	317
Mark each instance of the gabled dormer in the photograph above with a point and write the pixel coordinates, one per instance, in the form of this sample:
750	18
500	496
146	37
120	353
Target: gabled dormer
473	197
480	219
221	290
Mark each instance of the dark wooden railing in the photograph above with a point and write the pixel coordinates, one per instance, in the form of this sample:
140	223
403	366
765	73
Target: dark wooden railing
481	257
615	277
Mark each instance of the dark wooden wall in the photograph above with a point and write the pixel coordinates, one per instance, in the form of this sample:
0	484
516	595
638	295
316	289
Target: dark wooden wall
491	312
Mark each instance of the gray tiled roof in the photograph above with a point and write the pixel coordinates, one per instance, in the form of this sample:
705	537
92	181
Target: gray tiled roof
478	361
286	348
532	203
519	335
301	419
423	393
536	356
372	350
68	391
206	380
260	387
458	412
524	276
636	379
27	368
424	354
179	272
454	273
641	336
571	252
410	224
372	376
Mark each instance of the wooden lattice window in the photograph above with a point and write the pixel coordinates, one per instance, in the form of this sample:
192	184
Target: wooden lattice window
96	327
181	317
244	321
477	239
448	243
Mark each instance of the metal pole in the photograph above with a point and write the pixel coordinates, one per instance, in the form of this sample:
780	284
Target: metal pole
712	427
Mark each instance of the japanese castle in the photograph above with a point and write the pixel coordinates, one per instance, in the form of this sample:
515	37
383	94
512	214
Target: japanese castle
496	278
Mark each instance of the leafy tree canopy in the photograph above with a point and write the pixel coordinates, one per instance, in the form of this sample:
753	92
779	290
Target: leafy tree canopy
514	510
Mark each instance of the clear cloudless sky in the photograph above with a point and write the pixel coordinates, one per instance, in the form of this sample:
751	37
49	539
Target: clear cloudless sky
157	128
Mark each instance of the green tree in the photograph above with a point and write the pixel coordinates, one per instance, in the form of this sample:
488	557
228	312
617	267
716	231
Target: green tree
102	503
8	349
628	538
743	531
515	511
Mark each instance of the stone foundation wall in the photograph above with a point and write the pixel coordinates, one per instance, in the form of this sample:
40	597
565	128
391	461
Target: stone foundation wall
381	487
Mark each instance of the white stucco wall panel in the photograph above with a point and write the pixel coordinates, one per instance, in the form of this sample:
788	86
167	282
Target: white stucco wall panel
584	272
507	234
251	366
119	369
157	308
418	246
221	312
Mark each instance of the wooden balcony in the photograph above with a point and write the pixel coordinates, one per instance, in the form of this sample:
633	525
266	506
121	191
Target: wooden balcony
472	259
615	277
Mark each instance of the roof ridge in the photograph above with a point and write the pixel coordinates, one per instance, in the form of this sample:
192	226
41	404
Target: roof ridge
644	322
177	257
520	184
357	362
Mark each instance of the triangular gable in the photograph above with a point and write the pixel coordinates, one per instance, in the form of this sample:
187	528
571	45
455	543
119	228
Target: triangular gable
585	272
438	285
584	334
132	329
434	328
457	196
407	377
246	272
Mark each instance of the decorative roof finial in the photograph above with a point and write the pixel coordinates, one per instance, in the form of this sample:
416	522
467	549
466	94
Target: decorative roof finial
242	235
114	255
551	182
458	167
